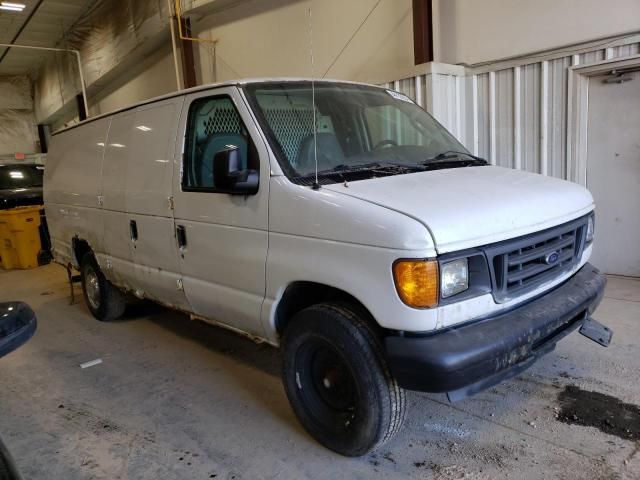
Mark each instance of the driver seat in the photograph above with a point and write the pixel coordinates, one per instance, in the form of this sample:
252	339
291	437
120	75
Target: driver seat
330	153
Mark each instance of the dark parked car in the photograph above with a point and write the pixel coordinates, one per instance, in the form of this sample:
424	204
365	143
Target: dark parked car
20	185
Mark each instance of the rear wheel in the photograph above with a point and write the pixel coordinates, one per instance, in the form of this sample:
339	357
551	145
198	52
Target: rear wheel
102	298
337	380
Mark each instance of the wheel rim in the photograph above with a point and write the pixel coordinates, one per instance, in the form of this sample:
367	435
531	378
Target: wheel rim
326	385
92	287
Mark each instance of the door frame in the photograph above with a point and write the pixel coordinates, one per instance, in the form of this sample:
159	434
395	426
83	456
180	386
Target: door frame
578	111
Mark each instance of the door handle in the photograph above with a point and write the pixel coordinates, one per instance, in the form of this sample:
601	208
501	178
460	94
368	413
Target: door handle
181	235
133	230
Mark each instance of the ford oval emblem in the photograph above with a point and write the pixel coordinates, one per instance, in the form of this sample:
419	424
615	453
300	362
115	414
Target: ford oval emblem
551	258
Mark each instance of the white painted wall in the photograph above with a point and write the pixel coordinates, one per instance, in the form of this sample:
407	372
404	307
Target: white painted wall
262	38
474	31
154	77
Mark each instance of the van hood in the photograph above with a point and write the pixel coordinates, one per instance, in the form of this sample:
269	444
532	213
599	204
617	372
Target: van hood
473	206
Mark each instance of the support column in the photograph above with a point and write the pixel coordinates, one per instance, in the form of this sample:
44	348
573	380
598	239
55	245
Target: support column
422	31
82	112
188	65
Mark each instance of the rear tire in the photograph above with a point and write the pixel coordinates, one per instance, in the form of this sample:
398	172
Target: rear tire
103	299
337	380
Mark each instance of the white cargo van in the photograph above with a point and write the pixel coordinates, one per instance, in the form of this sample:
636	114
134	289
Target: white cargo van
338	221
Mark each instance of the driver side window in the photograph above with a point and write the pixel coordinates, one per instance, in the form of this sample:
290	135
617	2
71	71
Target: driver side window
214	125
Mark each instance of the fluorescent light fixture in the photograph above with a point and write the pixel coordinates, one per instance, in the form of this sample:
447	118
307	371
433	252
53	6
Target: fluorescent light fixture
16	174
14	7
117	145
144	128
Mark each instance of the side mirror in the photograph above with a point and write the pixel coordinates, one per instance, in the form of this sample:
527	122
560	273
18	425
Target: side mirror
17	325
228	175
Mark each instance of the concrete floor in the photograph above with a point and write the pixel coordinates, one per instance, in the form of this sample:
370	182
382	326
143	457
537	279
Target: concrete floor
175	399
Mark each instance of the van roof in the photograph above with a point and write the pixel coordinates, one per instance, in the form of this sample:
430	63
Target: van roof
230	83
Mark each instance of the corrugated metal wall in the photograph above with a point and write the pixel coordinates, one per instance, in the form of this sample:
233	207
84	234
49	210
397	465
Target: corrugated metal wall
440	94
513	113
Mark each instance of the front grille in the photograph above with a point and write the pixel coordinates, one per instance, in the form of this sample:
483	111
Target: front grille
522	264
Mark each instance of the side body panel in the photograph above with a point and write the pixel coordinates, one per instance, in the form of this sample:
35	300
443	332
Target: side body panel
223	262
333	239
72	187
149	188
117	242
137	186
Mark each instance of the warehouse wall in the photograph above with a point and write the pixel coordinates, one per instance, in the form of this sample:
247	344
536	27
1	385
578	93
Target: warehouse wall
18	132
262	38
153	77
127	55
114	37
126	47
471	31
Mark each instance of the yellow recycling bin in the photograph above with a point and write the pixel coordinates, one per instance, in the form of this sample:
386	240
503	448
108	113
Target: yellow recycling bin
20	237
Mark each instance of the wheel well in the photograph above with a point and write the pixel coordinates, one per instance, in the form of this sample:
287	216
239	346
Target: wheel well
300	295
80	248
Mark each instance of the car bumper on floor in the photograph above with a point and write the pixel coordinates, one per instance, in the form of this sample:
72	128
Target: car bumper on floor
463	361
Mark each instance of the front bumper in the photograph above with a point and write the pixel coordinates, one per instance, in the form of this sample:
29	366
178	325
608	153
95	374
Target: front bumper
467	359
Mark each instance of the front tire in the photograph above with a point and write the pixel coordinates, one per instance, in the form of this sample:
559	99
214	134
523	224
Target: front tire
102	298
337	380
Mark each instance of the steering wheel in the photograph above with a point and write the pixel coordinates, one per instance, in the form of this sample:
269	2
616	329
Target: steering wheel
382	143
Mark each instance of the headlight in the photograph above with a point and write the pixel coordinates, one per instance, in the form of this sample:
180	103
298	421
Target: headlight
590	228
417	282
454	277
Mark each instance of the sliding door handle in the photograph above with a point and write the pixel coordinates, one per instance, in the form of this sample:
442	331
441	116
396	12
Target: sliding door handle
181	235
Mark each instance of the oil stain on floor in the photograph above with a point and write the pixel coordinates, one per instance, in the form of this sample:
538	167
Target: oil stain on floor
604	412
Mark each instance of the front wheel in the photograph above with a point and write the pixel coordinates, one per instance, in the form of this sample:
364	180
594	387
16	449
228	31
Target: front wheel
103	299
337	380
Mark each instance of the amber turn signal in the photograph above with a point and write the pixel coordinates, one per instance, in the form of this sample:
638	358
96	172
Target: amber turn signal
417	282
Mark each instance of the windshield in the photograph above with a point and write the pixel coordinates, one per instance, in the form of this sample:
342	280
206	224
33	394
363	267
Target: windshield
358	128
20	176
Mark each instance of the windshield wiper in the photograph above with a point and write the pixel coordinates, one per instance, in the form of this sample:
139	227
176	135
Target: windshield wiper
449	154
344	168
